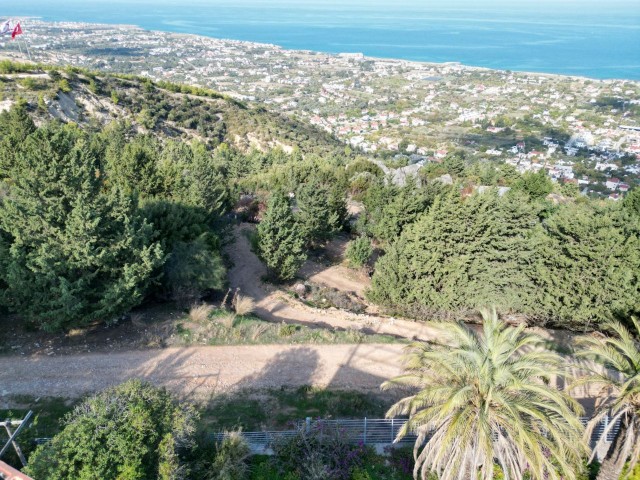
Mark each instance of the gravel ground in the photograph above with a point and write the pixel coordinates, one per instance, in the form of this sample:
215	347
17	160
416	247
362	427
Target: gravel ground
199	372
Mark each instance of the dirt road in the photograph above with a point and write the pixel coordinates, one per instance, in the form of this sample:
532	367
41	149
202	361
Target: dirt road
199	372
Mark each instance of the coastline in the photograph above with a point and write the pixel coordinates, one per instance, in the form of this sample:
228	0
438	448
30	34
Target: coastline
247	43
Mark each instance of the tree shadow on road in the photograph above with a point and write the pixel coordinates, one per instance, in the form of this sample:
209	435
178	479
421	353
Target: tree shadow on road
175	372
296	366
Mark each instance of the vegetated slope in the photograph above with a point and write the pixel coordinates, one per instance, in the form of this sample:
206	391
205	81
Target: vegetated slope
169	110
146	172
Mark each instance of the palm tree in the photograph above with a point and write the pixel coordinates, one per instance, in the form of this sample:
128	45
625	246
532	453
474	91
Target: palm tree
486	399
619	380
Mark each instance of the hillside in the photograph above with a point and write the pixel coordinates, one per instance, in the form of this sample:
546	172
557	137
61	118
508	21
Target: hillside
169	110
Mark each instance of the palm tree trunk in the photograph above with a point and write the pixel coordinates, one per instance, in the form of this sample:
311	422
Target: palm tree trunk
616	456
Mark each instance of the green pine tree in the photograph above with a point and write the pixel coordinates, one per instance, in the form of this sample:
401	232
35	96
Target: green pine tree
462	255
536	185
15	126
322	211
281	238
390	208
76	254
454	163
632	202
588	266
132	166
204	185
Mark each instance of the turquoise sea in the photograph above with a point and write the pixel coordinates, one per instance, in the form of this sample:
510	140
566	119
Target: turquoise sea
595	38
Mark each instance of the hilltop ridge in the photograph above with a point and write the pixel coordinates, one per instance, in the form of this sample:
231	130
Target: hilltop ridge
72	94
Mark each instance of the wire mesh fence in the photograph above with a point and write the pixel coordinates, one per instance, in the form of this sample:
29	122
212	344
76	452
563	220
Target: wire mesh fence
375	431
368	431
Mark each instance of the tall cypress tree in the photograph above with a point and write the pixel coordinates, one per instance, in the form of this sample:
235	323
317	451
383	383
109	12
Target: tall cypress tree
203	183
322	211
281	240
632	202
76	254
133	167
15	126
391	208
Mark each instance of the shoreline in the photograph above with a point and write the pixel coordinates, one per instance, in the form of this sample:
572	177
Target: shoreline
334	54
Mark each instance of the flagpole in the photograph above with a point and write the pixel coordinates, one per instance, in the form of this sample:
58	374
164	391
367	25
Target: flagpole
27	47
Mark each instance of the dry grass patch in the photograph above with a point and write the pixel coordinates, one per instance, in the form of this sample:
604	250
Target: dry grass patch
76	332
200	313
228	320
243	305
259	330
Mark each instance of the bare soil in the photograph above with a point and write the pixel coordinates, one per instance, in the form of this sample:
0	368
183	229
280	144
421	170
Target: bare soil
152	327
202	372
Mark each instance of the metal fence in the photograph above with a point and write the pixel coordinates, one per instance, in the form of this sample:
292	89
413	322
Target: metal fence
369	431
372	431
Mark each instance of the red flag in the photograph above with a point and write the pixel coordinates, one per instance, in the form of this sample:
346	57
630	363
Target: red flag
16	31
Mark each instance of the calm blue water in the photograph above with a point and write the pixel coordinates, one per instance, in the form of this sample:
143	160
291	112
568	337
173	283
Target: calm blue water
596	38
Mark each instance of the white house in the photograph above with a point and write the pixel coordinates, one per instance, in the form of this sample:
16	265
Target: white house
612	183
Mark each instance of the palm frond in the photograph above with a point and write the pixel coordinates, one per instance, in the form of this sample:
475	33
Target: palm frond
485	397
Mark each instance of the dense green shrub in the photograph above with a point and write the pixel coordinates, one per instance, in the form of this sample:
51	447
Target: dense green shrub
230	461
460	256
575	268
131	432
588	266
63	85
72	230
193	268
536	185
319	453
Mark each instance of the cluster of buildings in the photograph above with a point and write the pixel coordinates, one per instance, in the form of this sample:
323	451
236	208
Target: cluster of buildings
379	105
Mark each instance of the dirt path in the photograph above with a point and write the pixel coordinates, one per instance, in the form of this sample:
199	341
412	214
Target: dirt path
276	306
335	276
199	372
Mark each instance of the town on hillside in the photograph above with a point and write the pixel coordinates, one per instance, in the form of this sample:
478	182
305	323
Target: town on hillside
580	131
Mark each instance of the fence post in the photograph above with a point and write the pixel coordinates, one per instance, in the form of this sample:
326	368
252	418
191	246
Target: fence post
308	424
392	435
365	431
